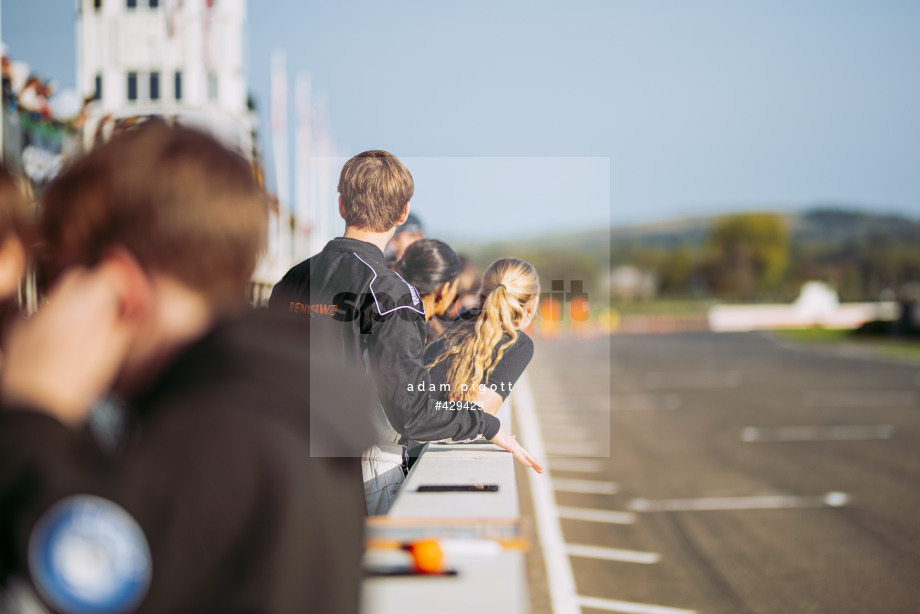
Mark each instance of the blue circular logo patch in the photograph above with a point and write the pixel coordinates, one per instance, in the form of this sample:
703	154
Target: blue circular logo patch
87	555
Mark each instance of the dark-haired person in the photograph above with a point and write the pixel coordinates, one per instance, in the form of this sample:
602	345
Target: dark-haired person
405	235
377	320
482	358
433	268
467	290
217	501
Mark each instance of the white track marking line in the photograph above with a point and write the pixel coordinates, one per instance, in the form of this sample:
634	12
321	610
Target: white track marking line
568	448
816	433
577	465
693	379
593	487
859	398
831	499
613	554
559	574
628	607
592	515
568	433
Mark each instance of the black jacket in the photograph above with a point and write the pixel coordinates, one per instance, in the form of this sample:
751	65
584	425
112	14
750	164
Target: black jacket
377	318
218	474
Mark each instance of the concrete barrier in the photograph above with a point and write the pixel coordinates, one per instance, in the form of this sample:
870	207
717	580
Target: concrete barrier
470	525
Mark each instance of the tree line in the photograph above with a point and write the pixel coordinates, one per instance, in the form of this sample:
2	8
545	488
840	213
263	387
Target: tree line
756	257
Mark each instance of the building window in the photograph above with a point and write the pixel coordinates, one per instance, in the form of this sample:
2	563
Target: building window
154	86
97	4
97	90
212	86
178	85
132	86
154	4
132	4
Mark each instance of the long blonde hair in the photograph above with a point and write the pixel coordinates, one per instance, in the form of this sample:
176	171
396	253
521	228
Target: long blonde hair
507	286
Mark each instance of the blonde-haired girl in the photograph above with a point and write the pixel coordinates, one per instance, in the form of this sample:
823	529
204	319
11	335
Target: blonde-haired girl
482	358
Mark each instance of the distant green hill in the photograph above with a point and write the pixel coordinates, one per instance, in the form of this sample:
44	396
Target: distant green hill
834	225
859	252
826	224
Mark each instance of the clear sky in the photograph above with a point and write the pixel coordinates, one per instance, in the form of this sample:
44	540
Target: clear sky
700	106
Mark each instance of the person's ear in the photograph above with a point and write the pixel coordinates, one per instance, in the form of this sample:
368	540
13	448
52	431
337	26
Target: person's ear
448	288
130	282
530	308
405	215
12	265
342	206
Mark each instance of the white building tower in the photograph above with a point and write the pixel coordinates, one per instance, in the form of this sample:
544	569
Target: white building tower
181	59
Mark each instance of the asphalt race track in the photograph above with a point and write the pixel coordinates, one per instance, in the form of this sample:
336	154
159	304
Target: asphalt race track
732	474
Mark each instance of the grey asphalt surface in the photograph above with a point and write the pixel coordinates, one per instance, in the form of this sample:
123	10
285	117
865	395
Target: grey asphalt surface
676	408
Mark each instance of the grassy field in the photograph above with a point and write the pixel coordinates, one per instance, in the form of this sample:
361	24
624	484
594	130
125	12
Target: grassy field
815	335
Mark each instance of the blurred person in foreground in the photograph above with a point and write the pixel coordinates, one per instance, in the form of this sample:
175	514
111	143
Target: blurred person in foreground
377	321
15	233
214	502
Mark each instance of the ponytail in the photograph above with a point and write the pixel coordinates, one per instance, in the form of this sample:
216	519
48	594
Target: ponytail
475	348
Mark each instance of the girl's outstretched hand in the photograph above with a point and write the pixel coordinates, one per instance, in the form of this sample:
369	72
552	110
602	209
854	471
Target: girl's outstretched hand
506	440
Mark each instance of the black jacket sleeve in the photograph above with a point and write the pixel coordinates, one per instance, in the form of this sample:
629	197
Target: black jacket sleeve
395	353
511	366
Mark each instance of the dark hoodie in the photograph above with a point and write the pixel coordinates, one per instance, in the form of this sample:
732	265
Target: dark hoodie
217	473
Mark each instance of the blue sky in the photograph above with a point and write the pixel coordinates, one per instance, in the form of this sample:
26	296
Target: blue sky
700	106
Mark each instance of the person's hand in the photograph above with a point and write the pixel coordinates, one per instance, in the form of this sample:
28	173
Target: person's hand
504	439
62	359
